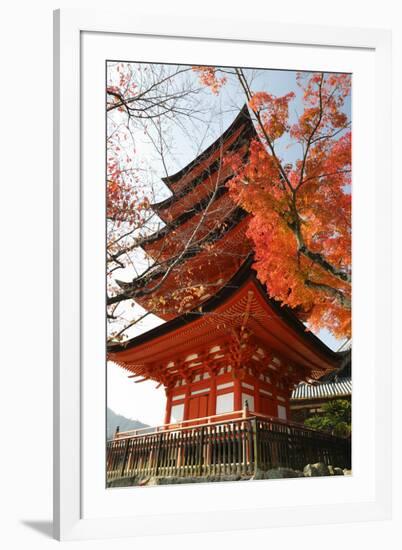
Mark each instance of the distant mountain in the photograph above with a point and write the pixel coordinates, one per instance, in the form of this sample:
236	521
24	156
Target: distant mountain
113	420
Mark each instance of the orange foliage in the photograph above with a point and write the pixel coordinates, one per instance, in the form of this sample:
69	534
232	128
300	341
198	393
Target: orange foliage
209	78
274	112
301	211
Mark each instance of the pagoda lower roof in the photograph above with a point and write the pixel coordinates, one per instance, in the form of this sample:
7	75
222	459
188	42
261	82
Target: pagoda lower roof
187	280
228	227
243	301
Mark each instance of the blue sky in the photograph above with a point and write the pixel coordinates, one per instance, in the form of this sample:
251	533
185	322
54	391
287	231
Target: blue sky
223	108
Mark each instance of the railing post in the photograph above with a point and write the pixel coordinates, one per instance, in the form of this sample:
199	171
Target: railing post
254	428
208	450
124	458
201	451
157	453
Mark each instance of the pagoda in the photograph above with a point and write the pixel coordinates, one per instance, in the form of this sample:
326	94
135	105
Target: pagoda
226	346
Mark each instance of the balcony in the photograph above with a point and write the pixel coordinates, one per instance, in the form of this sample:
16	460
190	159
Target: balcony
220	446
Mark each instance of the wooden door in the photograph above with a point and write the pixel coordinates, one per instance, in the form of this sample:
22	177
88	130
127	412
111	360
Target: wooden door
198	406
268	406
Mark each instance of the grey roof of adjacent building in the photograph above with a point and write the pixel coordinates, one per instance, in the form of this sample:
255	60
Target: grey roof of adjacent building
339	388
347	345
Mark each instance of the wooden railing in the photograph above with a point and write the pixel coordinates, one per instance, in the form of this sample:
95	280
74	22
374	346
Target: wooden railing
207	420
238	446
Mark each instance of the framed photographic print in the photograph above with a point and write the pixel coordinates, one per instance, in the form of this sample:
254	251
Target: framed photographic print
215	190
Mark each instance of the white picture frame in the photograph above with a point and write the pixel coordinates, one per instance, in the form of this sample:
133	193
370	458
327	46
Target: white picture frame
77	498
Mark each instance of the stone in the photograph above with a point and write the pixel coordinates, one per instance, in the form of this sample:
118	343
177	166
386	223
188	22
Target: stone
202	479
338	471
347	472
282	473
150	481
316	470
331	470
277	473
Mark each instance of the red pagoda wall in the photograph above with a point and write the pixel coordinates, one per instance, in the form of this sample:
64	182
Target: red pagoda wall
221	393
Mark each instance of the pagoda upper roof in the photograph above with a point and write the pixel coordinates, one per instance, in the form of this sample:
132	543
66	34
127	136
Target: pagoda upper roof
242	301
203	192
242	118
204	218
198	178
184	217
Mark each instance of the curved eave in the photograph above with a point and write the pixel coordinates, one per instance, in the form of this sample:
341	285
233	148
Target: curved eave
214	237
244	274
186	216
208	172
243	116
246	135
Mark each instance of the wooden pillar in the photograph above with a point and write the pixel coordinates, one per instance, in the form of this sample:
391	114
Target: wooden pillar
274	388
237	393
187	394
287	403
257	396
212	394
168	407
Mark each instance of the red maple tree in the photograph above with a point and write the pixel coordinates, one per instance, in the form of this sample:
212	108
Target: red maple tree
300	210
